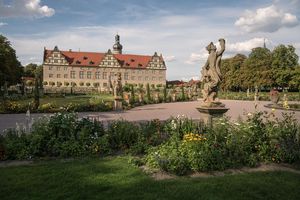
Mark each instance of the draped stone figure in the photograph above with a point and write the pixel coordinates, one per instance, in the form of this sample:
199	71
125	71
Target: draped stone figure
211	74
118	86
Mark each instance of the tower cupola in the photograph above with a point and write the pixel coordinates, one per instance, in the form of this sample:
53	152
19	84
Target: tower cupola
117	48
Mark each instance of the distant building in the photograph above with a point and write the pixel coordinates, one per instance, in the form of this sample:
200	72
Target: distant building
92	69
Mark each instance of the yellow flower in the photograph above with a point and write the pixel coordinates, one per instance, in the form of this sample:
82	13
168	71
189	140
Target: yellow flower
273	159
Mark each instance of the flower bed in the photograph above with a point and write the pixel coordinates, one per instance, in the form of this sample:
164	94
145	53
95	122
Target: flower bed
178	145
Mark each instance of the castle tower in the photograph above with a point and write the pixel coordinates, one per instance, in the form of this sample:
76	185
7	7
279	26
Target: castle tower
117	48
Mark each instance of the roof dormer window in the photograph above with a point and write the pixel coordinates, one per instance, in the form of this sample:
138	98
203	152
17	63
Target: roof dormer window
132	60
78	62
91	63
85	58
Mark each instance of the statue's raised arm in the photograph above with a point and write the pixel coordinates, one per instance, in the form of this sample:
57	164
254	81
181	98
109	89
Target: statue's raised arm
222	44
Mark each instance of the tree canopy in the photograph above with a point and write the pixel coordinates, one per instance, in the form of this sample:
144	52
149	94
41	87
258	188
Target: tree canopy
262	68
10	67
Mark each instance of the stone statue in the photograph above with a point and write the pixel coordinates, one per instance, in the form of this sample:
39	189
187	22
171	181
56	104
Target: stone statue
211	74
118	86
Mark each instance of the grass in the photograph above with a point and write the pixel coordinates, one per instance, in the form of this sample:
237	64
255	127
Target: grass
114	178
62	101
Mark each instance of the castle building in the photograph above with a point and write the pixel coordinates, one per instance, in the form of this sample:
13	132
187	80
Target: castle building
93	69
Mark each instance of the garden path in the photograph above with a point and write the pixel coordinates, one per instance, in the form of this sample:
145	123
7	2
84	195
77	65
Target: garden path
154	111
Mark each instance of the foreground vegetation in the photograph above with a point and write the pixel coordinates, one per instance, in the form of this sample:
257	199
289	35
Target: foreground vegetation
178	145
114	178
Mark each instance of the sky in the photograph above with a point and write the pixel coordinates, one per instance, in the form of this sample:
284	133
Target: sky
178	29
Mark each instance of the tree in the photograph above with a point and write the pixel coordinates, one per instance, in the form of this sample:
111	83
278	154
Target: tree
10	67
284	61
231	70
165	93
33	70
284	57
148	92
257	68
132	99
36	92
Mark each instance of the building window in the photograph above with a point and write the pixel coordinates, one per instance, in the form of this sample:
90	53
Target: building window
153	71
58	76
73	74
161	72
153	79
104	75
160	78
89	75
104	84
55	61
50	67
65	75
132	78
65	68
111	74
81	74
50	75
97	75
139	78
146	78
126	76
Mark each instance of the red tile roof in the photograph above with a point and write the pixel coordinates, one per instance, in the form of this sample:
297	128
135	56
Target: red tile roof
133	61
93	59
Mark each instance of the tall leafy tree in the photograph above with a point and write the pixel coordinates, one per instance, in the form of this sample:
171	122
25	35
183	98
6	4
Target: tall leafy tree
284	57
231	70
284	62
10	67
257	69
34	70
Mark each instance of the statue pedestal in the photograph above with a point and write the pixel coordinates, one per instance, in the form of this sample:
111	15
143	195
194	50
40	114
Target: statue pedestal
118	103
209	114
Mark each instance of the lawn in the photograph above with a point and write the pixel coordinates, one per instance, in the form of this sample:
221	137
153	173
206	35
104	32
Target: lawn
74	99
114	178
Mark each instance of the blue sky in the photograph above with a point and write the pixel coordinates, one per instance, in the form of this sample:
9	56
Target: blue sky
179	29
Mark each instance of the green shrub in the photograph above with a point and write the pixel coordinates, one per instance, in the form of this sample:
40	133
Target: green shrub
122	134
16	144
226	144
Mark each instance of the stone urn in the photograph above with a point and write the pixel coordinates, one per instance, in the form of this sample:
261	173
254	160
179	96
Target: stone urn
274	96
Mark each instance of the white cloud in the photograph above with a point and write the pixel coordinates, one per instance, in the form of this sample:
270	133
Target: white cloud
247	45
25	8
186	79
179	20
197	57
268	19
3	24
170	58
